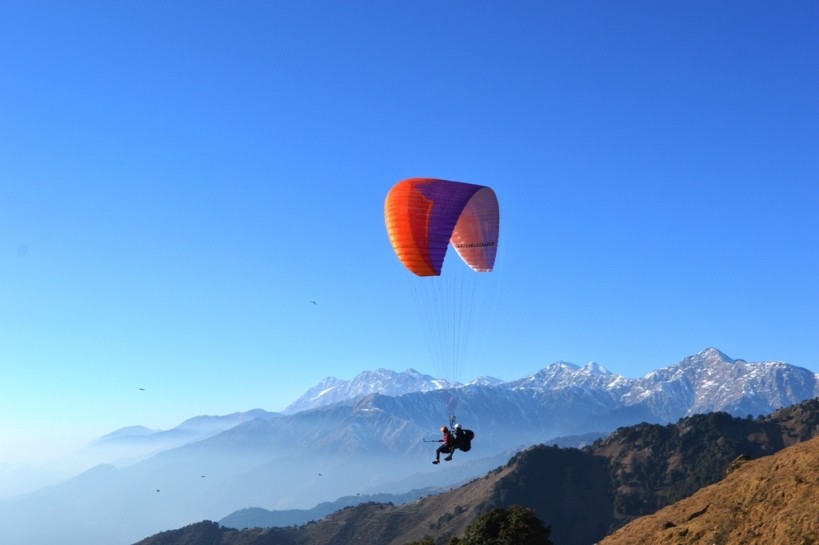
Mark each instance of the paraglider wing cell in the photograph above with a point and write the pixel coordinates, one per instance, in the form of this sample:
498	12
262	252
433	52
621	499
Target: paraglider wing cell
475	237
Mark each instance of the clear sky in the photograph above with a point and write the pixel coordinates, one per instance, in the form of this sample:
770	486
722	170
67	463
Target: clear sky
178	180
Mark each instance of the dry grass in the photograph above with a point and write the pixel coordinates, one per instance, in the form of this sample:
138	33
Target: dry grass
771	500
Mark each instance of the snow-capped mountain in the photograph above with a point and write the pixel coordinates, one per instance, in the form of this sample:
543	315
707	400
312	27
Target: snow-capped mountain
382	381
562	375
712	381
484	381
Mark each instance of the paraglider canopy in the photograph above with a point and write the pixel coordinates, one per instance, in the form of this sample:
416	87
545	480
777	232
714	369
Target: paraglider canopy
424	215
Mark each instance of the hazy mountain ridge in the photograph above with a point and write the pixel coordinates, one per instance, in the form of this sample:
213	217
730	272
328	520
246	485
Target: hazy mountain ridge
141	440
255	517
586	494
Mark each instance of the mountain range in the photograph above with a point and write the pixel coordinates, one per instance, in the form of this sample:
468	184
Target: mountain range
365	436
704	382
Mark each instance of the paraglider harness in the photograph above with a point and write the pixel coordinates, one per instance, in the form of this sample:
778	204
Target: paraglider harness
463	438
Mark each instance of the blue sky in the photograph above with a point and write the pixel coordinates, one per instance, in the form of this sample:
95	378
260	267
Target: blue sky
179	180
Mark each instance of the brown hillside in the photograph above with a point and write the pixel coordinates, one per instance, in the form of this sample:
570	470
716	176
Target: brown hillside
771	500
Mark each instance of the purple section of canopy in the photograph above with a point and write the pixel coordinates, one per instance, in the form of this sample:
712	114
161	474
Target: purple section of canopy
449	200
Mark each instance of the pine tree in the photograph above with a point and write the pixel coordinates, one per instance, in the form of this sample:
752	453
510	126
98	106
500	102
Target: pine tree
513	526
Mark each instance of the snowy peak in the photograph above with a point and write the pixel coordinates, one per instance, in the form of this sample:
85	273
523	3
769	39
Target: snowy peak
381	381
594	368
709	356
556	370
563	375
712	381
485	381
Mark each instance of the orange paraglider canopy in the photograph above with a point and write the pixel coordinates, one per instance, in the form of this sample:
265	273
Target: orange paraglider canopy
424	215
